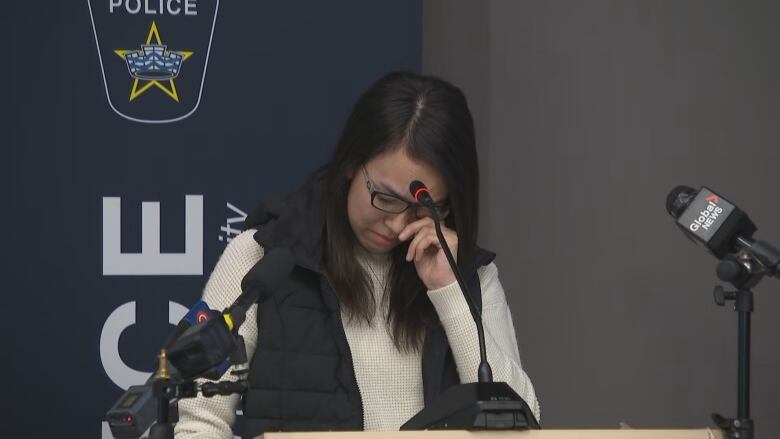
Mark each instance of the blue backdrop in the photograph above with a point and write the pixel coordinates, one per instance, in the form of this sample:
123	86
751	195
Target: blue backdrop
135	139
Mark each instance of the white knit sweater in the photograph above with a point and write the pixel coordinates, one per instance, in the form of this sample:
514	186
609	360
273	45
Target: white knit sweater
390	381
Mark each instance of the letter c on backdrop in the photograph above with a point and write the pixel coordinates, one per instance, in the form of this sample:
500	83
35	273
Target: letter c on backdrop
122	318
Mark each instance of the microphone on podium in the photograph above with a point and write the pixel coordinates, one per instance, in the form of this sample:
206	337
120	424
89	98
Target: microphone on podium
482	405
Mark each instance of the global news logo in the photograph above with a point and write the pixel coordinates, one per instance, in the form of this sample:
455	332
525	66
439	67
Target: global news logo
708	215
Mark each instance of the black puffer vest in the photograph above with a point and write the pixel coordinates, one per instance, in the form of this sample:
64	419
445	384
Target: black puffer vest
301	376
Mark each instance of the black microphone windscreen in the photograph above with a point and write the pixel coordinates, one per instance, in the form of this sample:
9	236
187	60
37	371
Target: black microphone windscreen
268	274
420	193
709	219
182	326
415	186
678	199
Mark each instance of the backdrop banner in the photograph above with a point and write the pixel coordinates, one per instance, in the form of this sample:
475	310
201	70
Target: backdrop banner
141	134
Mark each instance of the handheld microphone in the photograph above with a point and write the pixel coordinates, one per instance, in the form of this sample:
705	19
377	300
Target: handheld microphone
720	226
204	346
481	405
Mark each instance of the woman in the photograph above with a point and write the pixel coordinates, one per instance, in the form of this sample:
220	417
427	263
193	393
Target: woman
371	324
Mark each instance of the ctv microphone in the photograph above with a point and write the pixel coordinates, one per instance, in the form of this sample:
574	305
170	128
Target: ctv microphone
720	226
134	412
206	345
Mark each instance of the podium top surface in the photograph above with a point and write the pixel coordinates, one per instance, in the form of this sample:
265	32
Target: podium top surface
704	433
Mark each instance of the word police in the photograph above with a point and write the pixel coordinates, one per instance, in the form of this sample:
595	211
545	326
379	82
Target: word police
706	217
155	7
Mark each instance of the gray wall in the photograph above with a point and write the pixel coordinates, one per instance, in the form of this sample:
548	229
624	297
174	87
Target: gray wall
588	113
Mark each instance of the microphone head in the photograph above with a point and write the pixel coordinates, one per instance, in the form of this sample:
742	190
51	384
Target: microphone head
268	274
420	193
679	199
709	219
202	349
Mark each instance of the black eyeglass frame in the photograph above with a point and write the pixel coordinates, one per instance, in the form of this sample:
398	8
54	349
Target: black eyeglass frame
443	209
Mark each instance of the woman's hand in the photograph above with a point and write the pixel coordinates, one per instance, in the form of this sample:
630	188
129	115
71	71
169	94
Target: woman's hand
425	250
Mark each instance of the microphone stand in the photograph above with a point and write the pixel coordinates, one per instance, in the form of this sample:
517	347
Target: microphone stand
481	405
740	427
484	371
168	391
743	271
199	351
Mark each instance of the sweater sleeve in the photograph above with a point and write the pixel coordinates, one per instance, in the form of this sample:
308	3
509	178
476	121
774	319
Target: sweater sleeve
500	341
212	418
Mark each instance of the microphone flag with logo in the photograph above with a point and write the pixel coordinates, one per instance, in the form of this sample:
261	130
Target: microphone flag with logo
709	219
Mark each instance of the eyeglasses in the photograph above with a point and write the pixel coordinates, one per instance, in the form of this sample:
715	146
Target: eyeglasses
393	204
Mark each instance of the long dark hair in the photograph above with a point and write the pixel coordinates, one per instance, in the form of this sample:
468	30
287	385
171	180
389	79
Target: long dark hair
430	118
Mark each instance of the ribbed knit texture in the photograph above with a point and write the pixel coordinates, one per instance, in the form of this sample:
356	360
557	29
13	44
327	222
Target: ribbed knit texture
390	381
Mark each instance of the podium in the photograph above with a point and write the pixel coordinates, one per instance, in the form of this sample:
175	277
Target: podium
704	433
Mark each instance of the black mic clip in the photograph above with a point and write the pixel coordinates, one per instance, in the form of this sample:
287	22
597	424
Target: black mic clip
740	270
745	268
764	257
168	389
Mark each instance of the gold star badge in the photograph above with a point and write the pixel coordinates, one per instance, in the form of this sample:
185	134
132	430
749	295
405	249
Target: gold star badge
170	89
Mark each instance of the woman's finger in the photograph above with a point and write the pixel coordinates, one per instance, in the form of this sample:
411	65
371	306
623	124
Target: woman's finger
413	228
426	242
414	245
418	239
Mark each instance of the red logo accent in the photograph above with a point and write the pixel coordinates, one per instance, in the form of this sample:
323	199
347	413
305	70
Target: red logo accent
201	316
713	198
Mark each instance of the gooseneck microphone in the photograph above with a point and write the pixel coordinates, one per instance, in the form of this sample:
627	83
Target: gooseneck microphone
423	196
481	405
421	193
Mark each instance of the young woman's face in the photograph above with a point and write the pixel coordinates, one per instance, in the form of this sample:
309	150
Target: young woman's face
390	172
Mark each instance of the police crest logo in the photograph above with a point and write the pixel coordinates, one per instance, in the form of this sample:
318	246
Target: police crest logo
153	55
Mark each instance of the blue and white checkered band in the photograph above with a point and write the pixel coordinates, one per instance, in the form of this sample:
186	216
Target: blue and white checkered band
152	62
